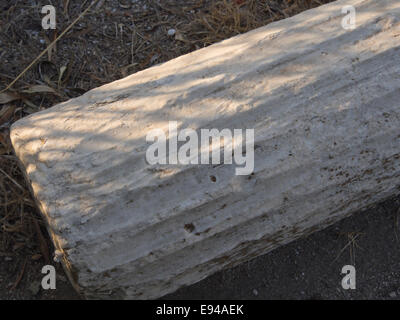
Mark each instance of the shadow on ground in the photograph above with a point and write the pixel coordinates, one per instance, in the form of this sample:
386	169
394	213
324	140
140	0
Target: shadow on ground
308	268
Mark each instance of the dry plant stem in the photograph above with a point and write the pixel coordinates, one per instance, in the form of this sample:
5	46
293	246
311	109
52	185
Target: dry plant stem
311	167
49	46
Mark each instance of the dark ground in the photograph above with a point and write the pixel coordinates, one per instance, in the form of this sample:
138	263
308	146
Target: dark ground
308	268
120	37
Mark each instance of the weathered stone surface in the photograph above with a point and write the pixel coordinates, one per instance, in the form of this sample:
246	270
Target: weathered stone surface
325	105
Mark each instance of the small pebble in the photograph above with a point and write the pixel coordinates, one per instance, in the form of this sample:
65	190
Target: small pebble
171	32
255	292
393	294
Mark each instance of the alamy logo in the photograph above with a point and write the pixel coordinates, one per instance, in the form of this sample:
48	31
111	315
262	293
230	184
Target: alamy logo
49	21
349	21
197	151
49	280
349	280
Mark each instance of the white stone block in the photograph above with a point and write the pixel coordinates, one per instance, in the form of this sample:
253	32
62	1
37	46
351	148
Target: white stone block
325	105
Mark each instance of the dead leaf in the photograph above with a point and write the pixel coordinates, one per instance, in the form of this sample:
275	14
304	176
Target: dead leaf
7	97
19	278
124	4
66	5
179	36
125	70
48	71
42	241
40	89
60	75
18	246
5	142
50	50
32	108
36	256
6	114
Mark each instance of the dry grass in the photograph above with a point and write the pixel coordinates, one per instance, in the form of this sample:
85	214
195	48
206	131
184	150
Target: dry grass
352	245
227	18
114	39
